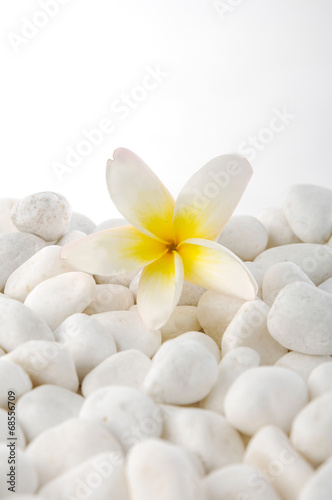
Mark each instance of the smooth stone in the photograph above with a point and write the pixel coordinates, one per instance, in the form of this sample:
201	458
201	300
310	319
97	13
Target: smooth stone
6	206
16	248
26	479
206	434
279	231
326	286
245	236
110	298
320	380
101	477
315	260
248	328
88	341
123	279
181	373
45	214
266	395
110	223
286	470
80	222
12	377
308	210
129	331
61	296
127	368
202	338
230	367
319	485
72	442
128	414
311	432
258	273
160	470
183	319
45	407
300	319
215	312
46	363
18	432
238	481
190	294
303	364
72	235
41	266
280	275
20	324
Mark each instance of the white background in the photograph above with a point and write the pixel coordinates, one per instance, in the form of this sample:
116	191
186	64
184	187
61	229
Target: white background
229	67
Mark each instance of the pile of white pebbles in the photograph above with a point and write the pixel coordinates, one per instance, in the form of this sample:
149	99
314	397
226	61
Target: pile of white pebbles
230	400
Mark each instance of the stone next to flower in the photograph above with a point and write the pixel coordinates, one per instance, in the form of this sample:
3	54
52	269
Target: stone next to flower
171	240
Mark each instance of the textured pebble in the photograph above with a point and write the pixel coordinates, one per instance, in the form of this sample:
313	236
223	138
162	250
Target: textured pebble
278	228
110	298
244	235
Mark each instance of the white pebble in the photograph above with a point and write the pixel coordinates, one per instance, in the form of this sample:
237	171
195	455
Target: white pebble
87	340
128	414
326	286
181	373
25	479
280	275
245	236
6	206
183	319
204	339
110	298
215	312
18	432
43	265
230	367
286	470
44	214
308	210
303	364
276	224
129	331
80	222
19	324
123	368
300	319
206	434
123	279
69	237
248	328
16	248
45	407
311	432
265	395
320	380
160	470
61	296
319	485
46	363
110	223
72	442
13	378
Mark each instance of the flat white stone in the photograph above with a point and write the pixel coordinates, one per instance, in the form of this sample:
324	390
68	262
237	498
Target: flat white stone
127	368
280	275
311	432
13	378
88	341
72	235
319	485
160	470
215	312
6	206
286	470
315	260
26	479
204	339
18	432
183	319
248	328
320	380
46	363
61	296
181	373
230	367
72	442
45	407
110	298
244	235
326	286
44	214
129	331
266	395
16	248
303	364
276	224
128	414
80	222
19	324
308	210
300	319
206	434
41	266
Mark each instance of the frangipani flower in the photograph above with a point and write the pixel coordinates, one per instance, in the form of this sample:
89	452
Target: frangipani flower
171	240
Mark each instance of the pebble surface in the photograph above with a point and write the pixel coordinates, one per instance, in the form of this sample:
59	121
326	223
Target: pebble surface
228	400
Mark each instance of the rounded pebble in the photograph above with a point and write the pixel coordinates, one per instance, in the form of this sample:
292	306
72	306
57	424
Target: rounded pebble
319	485
70	236
320	380
110	298
303	364
183	319
13	378
6	206
204	339
80	222
276	224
